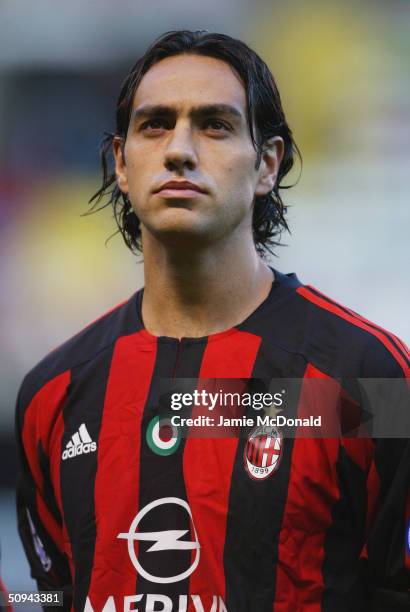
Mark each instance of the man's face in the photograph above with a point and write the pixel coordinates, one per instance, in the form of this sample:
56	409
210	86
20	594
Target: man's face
189	164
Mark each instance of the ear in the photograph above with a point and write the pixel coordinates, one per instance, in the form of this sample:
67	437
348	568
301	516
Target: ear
120	165
272	155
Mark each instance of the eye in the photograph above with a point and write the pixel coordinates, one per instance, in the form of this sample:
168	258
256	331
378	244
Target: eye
217	125
154	125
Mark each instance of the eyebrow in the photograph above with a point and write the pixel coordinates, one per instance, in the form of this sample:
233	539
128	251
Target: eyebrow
197	111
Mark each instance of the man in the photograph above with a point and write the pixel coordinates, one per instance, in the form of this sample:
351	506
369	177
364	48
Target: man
121	516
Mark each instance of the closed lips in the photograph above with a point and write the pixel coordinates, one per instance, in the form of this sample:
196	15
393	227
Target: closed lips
181	185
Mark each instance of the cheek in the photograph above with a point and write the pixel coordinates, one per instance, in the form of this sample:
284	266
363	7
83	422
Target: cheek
240	177
138	175
242	163
140	161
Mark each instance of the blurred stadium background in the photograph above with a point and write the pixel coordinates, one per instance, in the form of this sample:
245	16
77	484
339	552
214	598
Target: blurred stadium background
343	71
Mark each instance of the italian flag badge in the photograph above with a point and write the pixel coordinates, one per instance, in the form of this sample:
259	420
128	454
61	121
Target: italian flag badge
163	438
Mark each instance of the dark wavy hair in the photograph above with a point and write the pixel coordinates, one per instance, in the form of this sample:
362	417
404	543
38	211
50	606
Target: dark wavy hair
265	116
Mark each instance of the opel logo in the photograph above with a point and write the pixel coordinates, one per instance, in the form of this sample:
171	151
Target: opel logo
169	539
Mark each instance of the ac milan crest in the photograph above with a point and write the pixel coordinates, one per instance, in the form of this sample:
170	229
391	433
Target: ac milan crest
263	451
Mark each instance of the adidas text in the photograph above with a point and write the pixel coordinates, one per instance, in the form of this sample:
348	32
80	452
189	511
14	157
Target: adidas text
80	449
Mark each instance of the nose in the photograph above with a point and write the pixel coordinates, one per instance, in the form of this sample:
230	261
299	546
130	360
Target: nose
180	153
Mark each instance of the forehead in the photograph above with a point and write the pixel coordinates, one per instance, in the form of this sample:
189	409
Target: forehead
191	80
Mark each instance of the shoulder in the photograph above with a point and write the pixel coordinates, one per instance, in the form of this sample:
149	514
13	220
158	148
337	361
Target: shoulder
53	372
348	342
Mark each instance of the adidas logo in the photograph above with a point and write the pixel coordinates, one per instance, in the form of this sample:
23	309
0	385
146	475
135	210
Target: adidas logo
79	444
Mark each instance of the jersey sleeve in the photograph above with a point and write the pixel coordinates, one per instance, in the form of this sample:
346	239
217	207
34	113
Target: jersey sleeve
387	548
39	518
386	554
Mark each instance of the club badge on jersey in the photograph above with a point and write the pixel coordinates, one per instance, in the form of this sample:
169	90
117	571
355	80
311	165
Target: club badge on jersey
263	451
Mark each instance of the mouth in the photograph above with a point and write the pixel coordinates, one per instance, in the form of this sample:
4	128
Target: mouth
179	189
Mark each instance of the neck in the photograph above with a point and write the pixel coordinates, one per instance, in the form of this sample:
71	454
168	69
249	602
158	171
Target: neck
197	292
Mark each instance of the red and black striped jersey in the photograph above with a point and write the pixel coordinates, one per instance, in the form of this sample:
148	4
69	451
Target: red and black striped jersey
118	523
